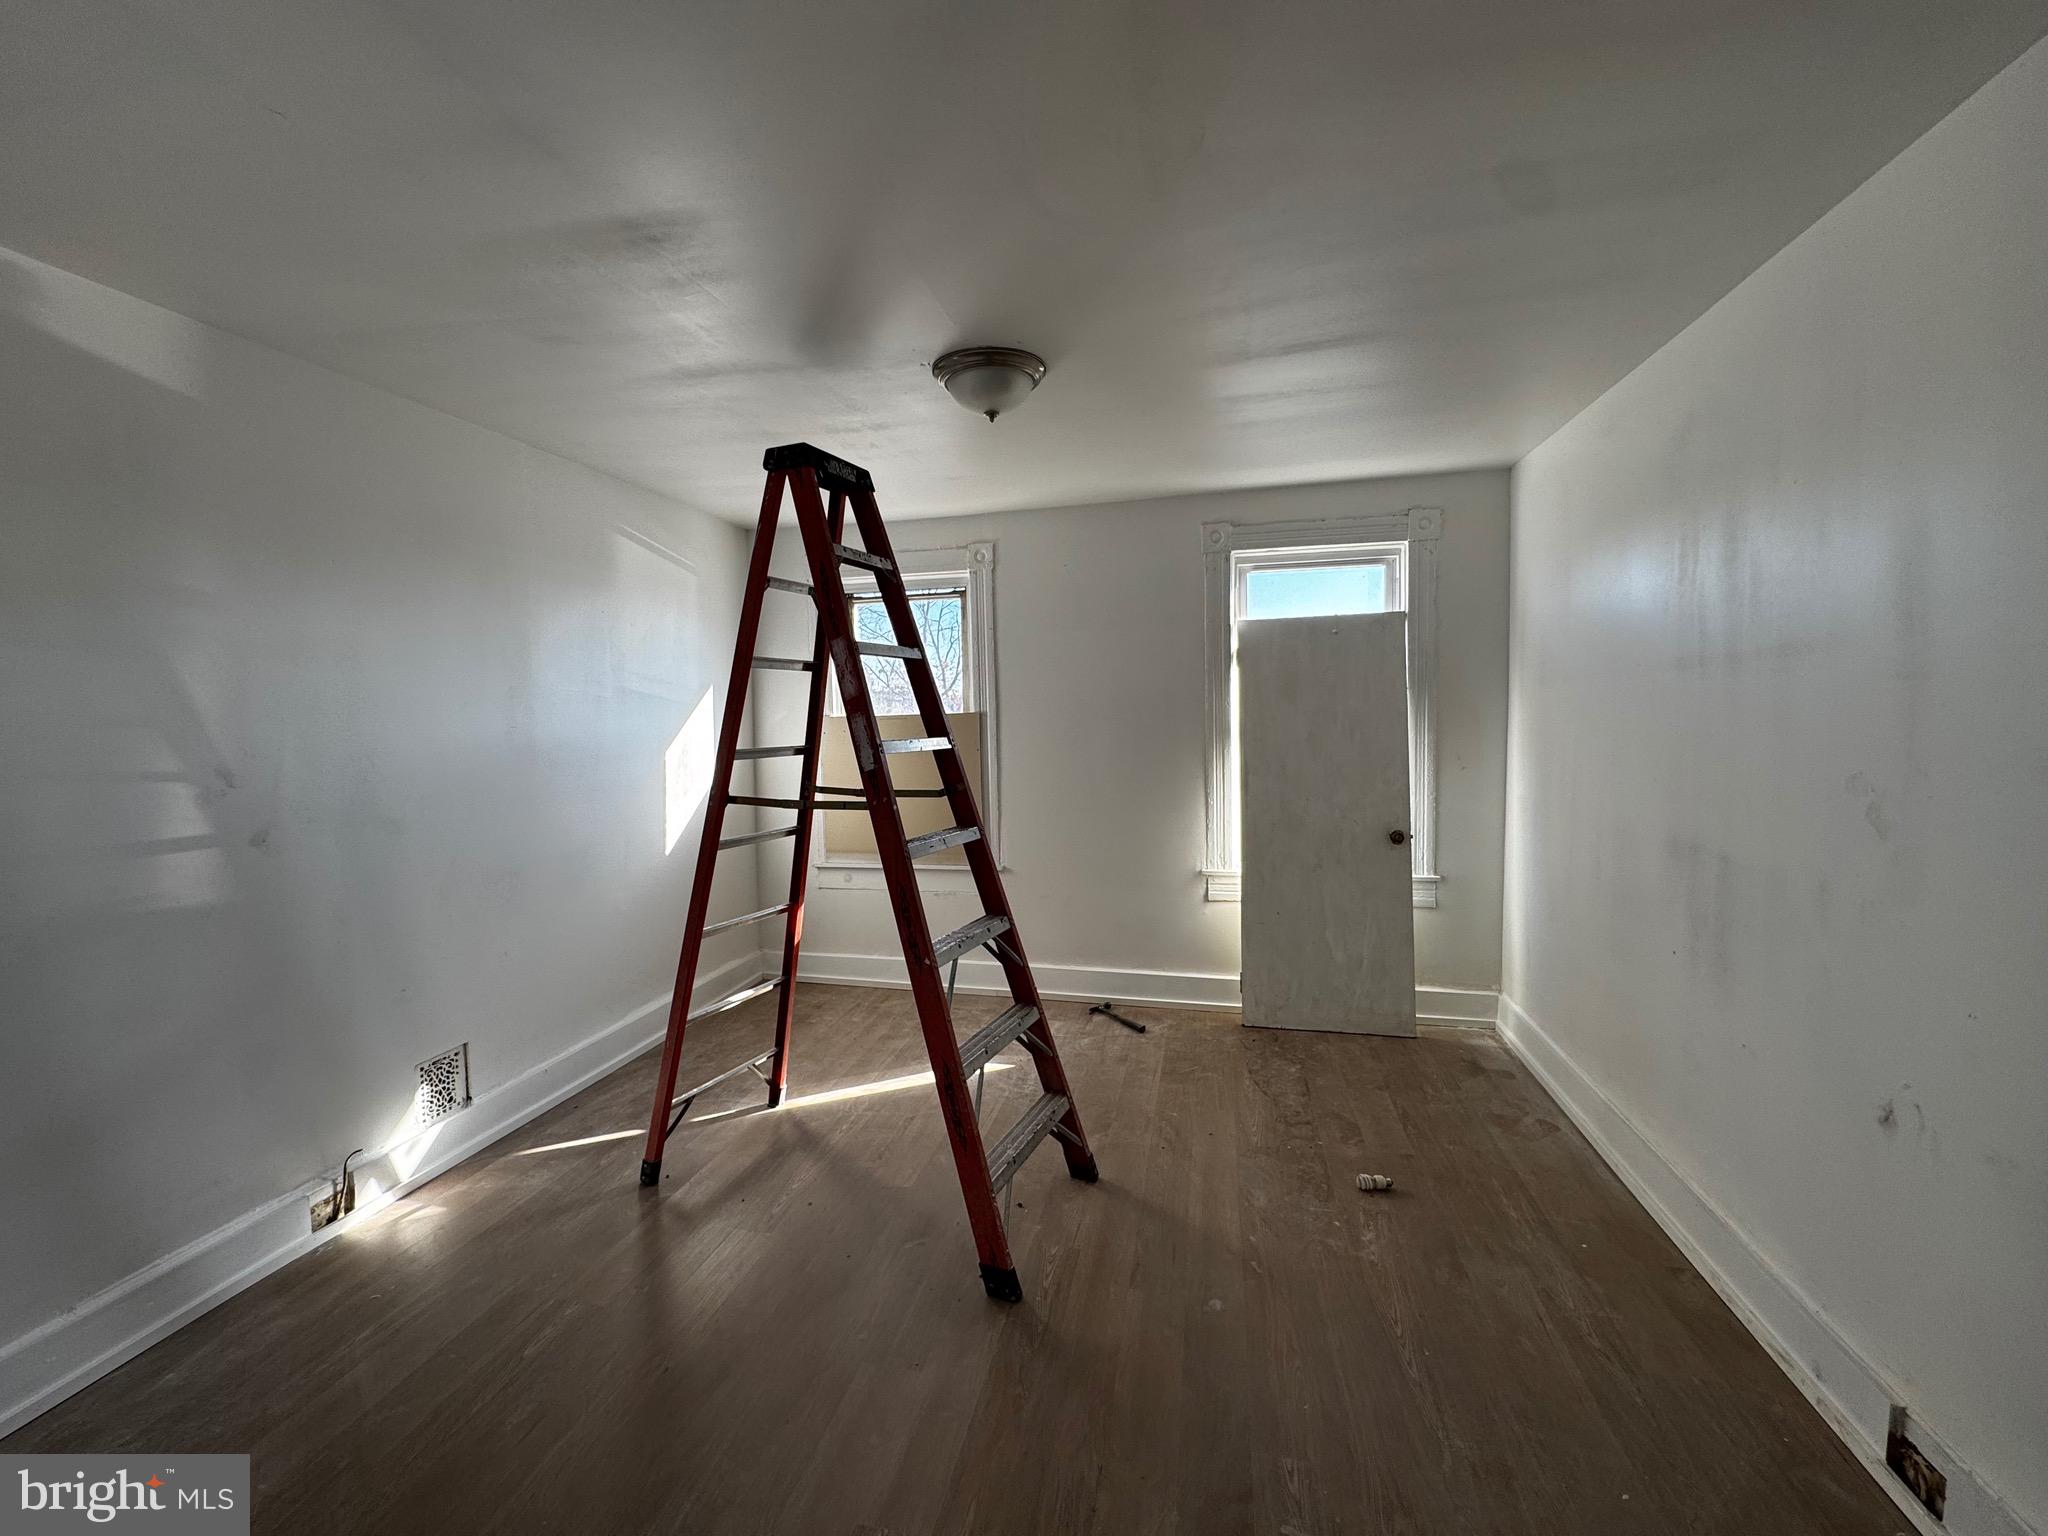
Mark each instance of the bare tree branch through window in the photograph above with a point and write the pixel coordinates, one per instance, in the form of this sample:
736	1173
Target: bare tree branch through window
941	631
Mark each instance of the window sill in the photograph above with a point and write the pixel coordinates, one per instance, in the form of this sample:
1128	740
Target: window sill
1224	885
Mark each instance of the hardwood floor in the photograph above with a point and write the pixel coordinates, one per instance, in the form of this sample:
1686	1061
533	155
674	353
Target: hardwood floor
1224	1335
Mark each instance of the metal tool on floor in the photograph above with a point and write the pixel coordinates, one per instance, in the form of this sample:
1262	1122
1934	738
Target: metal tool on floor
803	472
1108	1006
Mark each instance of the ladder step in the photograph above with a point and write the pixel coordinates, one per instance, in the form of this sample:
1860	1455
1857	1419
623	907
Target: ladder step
749	753
996	1035
744	995
751	917
782	664
968	936
919	744
773	802
1022	1139
782	584
934	842
877	648
745	838
848	555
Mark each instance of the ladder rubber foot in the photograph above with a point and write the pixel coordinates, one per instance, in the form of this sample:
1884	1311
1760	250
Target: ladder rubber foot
650	1174
1087	1173
1001	1284
774	1095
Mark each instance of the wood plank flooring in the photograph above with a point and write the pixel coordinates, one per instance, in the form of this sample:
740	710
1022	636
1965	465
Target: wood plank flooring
1224	1335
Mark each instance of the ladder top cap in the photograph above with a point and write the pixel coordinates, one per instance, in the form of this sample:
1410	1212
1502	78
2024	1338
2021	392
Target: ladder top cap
834	474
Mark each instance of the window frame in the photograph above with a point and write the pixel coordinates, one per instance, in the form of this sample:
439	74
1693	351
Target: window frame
970	569
1230	552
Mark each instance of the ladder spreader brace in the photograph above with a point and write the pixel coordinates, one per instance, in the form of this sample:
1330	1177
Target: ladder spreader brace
806	474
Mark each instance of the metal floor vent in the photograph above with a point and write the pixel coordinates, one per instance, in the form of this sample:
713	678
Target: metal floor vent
444	1085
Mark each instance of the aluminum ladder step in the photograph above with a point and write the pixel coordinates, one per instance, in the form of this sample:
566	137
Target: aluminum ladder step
934	842
877	648
918	744
781	664
848	555
968	936
753	754
1022	1139
784	584
997	1035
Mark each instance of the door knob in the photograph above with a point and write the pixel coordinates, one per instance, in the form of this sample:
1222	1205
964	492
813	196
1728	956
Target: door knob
1397	837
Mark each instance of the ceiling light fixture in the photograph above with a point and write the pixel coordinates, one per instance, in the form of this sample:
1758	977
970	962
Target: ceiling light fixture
989	380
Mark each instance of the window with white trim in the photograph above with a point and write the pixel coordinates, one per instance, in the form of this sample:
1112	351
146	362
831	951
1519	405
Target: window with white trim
952	601
1302	570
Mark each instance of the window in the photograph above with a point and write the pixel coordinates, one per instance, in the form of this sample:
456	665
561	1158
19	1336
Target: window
941	615
1303	584
1300	570
952	596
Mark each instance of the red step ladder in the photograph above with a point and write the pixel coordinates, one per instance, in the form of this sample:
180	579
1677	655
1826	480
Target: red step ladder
985	1169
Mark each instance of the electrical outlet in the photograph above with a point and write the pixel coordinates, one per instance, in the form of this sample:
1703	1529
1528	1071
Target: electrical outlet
1923	1479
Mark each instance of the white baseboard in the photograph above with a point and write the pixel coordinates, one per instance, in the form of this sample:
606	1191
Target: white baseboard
1091	984
1852	1394
44	1366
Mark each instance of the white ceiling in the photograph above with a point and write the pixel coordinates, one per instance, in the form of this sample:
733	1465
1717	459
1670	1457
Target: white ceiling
1257	242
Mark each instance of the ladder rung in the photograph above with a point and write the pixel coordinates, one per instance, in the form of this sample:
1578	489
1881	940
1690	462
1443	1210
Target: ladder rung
757	752
756	837
997	1034
726	1076
681	1102
1021	1139
781	584
919	744
877	648
751	917
968	936
782	663
900	794
933	842
850	556
744	995
771	801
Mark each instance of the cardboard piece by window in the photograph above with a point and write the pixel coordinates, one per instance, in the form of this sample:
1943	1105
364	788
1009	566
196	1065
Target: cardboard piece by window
850	834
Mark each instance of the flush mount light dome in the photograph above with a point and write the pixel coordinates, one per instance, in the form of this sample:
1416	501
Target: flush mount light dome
990	380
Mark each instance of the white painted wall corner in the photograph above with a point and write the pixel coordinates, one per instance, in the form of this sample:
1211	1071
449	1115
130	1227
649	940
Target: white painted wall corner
1851	1394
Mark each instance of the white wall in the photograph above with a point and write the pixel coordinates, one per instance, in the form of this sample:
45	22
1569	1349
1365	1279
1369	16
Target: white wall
334	735
1100	652
1778	790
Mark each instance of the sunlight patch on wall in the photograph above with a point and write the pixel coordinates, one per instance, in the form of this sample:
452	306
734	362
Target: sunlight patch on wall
686	773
